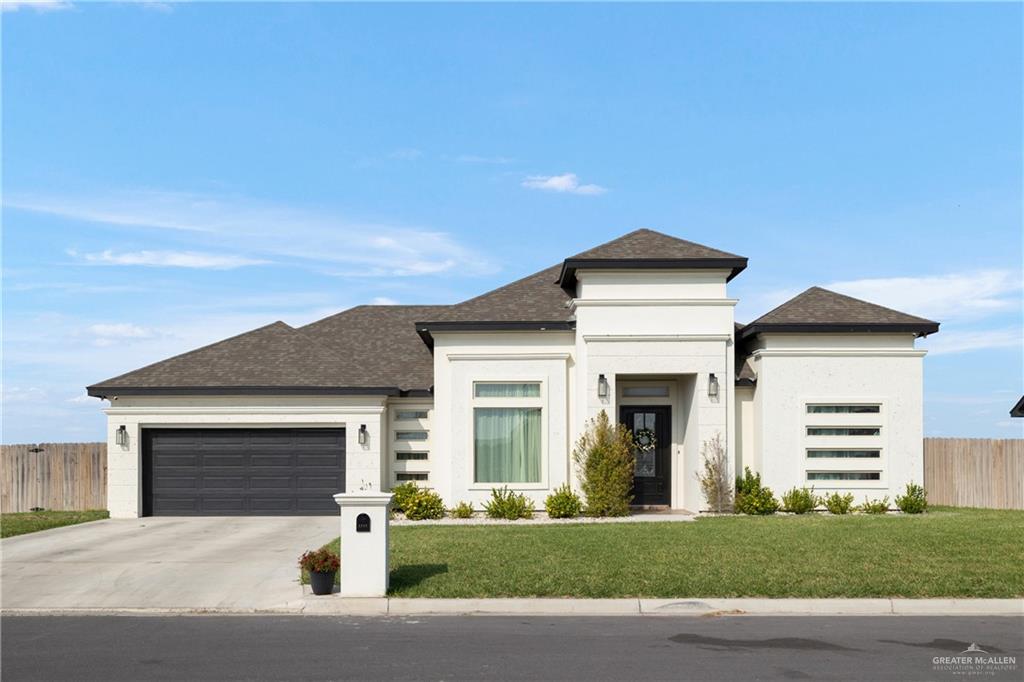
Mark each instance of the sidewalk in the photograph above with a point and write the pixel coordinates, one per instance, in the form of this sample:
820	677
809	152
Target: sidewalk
333	605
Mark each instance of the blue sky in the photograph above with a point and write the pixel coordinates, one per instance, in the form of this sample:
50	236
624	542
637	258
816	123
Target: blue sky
176	173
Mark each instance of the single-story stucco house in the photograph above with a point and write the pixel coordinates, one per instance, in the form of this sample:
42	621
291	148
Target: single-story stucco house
824	391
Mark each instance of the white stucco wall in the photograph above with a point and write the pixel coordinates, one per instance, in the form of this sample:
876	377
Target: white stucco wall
363	466
460	358
678	324
746	445
796	369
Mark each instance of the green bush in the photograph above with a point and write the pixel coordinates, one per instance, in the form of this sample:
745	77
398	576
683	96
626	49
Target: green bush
505	504
875	506
915	501
401	495
839	504
752	497
799	500
424	504
563	503
463	510
605	462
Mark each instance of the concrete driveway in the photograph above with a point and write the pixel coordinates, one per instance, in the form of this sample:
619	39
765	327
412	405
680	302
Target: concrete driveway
161	562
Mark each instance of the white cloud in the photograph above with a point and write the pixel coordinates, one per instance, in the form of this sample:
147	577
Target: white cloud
275	232
956	296
37	5
405	154
118	332
962	341
566	183
383	300
473	158
168	259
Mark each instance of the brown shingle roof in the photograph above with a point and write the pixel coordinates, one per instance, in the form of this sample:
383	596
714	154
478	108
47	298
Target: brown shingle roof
276	357
648	249
821	310
535	298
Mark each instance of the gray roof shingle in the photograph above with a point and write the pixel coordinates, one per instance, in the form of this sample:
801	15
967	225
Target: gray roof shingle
648	249
821	310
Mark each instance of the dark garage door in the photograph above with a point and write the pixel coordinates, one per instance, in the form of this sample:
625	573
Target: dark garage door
214	472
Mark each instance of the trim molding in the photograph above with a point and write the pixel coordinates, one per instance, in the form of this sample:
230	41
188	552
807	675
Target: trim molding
604	302
243	410
835	352
456	357
599	338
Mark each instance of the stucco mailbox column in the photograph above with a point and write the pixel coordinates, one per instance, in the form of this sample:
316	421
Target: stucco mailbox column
364	543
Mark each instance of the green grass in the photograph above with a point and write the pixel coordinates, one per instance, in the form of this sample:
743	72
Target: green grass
29	522
945	553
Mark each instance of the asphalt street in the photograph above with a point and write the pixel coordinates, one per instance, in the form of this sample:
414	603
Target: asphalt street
496	648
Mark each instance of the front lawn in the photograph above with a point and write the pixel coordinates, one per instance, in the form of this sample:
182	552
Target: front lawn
945	553
29	522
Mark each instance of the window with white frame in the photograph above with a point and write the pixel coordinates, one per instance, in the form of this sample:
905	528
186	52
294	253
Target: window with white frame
843	431
815	453
410	476
843	409
410	415
843	476
409	455
410	435
507	438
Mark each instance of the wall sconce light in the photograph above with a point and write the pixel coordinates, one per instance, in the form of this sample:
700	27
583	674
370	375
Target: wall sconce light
712	386
363	434
602	386
121	436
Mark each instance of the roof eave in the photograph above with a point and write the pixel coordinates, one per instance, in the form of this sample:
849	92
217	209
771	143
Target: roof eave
567	276
916	328
100	391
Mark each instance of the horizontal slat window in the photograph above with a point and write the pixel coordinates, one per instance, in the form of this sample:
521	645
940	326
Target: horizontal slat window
410	476
844	409
410	435
507	390
406	415
844	454
843	431
843	476
406	456
645	392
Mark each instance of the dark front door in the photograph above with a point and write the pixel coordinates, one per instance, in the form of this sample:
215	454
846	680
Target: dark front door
222	472
652	482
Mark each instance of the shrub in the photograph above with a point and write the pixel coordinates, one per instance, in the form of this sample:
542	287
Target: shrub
505	504
402	494
751	497
915	501
604	463
463	510
799	500
875	506
424	504
321	560
839	504
563	503
714	479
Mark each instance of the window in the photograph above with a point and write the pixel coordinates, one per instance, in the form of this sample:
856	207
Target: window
844	409
406	415
410	435
406	456
645	392
495	390
843	476
410	476
507	444
868	454
843	431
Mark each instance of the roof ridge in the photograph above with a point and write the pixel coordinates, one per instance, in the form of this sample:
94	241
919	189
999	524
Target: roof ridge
372	305
195	350
782	305
506	286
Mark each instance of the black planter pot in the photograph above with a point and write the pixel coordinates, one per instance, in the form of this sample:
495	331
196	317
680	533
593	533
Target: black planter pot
322	583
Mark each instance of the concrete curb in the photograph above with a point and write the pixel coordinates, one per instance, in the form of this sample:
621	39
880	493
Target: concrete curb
334	605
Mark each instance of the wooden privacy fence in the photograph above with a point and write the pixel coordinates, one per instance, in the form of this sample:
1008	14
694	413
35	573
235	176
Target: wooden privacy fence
64	476
974	472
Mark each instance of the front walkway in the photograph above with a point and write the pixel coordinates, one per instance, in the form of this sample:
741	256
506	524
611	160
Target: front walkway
235	563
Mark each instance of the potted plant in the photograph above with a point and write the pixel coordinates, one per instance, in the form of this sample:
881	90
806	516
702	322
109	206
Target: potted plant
321	565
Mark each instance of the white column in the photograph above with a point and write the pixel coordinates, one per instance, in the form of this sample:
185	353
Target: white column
364	543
